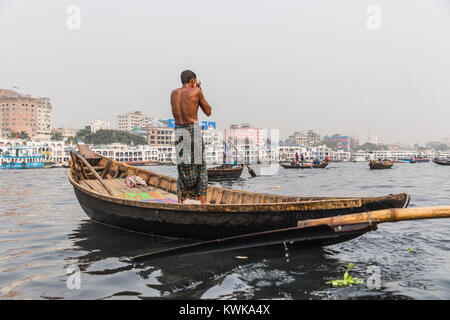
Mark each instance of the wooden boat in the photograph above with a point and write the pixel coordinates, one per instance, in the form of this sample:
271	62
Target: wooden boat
99	185
442	162
225	172
407	160
380	165
305	165
48	164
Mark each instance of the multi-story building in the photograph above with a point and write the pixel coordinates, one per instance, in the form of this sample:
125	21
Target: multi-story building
97	124
245	134
160	136
130	120
287	152
44	118
343	142
308	138
65	133
373	139
20	112
124	153
354	142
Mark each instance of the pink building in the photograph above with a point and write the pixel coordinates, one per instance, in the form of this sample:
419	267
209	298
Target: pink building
18	113
241	134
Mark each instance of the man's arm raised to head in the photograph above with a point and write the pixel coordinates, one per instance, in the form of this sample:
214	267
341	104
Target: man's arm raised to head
203	103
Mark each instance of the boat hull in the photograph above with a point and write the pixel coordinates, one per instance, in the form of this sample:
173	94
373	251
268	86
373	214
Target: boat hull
33	165
378	165
442	163
307	166
205	225
220	173
106	198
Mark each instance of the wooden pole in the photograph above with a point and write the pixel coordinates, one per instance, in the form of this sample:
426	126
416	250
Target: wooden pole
250	170
380	216
96	175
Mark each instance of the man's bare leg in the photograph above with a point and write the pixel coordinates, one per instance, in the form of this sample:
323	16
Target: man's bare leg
202	199
180	200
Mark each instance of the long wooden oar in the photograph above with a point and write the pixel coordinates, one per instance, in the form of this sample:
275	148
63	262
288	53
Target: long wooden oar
380	216
323	231
250	170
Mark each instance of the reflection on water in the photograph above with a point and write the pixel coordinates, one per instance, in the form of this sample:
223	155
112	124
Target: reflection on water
43	232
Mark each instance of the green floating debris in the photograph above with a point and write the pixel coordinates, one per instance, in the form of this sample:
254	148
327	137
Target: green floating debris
347	281
411	250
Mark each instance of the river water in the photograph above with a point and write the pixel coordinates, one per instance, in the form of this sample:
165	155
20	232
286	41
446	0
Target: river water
49	249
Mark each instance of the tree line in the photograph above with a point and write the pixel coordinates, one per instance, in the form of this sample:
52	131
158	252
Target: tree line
103	137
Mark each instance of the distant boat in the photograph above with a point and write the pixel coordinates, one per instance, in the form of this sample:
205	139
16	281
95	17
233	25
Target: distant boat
422	160
48	164
305	165
21	157
225	172
408	160
380	165
442	162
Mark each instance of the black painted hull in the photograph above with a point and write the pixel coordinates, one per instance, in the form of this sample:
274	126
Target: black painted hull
205	225
225	173
379	166
442	163
299	166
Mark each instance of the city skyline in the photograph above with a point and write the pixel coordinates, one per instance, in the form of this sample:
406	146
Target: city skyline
296	66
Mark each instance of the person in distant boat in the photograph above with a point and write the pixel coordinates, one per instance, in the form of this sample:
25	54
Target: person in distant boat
192	173
328	158
371	156
302	158
296	158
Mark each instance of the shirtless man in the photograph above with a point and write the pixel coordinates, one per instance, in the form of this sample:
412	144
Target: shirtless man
192	177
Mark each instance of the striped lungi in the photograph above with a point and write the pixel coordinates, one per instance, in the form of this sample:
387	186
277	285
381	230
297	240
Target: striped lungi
192	173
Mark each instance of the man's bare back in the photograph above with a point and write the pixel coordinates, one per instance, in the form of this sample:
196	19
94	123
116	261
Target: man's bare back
185	102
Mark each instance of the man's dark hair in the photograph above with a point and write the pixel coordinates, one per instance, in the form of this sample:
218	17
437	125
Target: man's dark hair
187	75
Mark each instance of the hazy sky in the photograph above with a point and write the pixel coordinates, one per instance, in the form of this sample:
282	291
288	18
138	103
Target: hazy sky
276	64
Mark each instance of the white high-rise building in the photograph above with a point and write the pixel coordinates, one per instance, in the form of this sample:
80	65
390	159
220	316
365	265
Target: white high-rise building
130	120
99	125
44	118
374	139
